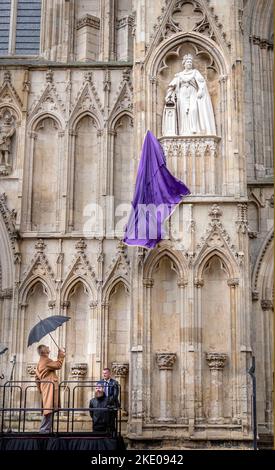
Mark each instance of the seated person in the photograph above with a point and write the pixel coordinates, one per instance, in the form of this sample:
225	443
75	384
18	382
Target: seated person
103	419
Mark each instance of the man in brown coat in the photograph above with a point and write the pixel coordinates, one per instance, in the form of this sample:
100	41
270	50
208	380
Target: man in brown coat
45	371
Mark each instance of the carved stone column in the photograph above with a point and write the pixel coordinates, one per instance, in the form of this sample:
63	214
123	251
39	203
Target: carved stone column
267	307
165	362
78	372
216	362
88	30
33	398
120	371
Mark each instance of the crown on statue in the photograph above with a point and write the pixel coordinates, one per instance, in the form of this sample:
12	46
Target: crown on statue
187	56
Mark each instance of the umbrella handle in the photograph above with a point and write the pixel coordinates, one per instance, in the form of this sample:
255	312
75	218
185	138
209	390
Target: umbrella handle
54	341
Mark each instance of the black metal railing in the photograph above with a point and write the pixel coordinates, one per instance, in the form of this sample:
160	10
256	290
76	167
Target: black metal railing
66	414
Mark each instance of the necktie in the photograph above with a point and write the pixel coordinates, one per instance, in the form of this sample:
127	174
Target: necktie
106	388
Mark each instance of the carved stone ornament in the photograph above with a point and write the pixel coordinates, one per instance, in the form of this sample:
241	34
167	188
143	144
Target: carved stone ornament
216	360
31	368
215	212
79	370
80	246
165	360
120	369
40	246
267	304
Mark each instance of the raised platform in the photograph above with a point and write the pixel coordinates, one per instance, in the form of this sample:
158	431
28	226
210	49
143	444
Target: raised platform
60	442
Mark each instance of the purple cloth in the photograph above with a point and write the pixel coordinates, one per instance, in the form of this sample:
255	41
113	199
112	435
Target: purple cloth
157	193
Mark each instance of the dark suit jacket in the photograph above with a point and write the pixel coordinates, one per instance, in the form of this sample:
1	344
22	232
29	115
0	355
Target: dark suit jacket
113	391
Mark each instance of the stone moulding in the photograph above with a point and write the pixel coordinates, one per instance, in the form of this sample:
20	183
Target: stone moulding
195	160
88	20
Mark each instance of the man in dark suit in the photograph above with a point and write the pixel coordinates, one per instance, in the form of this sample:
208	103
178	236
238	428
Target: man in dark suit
111	386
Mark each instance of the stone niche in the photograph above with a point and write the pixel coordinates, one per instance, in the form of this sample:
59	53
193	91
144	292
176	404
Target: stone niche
8	121
87	38
195	157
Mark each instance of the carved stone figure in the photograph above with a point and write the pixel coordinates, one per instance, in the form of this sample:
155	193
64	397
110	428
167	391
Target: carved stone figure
7	129
188	109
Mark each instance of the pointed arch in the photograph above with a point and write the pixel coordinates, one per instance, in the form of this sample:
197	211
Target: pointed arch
178	40
48	102
44	171
260	15
112	283
30	282
263	264
6	255
84	165
175	256
87	101
226	257
34	122
117	116
9	97
164	303
77	118
71	282
123	102
116	327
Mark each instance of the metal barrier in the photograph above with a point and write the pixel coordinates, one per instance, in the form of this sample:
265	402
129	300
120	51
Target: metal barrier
15	418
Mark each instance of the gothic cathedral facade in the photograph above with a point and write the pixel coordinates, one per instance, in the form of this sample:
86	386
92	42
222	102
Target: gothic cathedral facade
81	81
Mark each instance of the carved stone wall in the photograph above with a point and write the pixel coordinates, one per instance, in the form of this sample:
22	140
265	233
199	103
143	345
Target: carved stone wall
203	297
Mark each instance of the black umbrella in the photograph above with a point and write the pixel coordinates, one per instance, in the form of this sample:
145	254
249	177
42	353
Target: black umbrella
44	327
3	348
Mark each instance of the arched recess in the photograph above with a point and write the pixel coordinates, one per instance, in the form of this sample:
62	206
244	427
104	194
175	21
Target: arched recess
6	257
36	303
259	70
79	334
44	169
36	297
224	254
6	290
120	165
166	61
77	331
116	333
165	320
165	249
263	332
262	263
216	299
253	216
259	18
84	151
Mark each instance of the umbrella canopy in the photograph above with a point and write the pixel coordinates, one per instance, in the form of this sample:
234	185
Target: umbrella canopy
3	348
44	327
157	193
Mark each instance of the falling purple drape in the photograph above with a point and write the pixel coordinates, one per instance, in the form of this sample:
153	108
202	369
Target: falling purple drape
157	192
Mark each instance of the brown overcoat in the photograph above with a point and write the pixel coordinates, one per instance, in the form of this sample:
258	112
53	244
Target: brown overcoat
45	370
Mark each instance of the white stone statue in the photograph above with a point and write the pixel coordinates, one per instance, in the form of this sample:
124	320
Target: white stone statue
7	130
188	109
